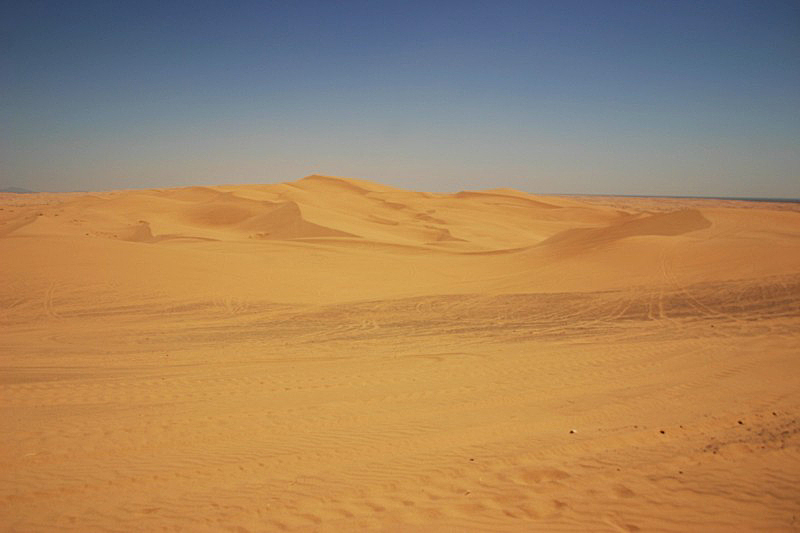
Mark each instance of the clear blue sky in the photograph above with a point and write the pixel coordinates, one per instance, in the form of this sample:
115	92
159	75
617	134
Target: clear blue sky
628	97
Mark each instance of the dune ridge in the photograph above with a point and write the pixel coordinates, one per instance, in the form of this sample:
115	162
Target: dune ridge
667	224
335	354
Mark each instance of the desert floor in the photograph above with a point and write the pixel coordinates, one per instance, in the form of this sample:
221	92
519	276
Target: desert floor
336	355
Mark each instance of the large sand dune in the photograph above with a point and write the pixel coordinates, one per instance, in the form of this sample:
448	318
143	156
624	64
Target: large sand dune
333	354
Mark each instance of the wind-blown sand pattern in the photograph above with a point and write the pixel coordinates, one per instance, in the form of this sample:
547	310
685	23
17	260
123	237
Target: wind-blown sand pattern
335	355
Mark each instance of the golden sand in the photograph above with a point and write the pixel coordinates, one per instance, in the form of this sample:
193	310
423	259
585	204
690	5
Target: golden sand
332	355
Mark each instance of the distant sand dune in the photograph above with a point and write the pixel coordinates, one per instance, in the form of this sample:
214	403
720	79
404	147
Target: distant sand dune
672	223
335	355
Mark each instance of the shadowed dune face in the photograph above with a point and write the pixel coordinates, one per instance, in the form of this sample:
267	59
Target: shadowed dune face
277	220
669	224
335	354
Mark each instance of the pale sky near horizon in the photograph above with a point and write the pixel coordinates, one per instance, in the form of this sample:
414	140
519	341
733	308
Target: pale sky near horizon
618	97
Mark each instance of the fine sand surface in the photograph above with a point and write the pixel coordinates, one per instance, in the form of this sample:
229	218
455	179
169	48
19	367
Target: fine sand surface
337	355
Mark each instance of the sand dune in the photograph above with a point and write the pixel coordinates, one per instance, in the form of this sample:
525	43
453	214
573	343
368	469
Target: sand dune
334	354
672	223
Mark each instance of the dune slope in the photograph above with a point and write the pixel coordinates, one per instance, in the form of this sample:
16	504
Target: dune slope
333	354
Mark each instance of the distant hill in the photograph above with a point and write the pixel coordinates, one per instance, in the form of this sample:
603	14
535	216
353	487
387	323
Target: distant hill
17	190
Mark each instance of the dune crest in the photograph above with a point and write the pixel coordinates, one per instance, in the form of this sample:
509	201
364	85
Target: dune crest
664	224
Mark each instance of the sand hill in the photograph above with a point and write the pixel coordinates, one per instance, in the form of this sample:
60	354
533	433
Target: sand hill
334	354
